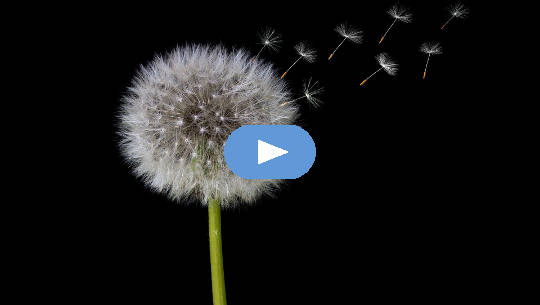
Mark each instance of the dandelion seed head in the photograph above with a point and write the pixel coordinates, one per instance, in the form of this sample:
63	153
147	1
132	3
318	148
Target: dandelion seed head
349	32
458	10
431	48
387	63
400	13
175	145
305	51
270	38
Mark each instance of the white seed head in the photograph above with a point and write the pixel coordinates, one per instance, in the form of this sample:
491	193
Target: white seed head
349	32
387	63
311	91
305	51
269	38
400	13
431	48
458	10
179	112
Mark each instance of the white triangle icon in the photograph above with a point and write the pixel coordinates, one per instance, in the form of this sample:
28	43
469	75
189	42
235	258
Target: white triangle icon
267	152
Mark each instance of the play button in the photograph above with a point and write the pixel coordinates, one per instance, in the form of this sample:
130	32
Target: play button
269	151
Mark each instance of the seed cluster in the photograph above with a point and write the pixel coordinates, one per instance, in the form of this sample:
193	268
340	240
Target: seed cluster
182	108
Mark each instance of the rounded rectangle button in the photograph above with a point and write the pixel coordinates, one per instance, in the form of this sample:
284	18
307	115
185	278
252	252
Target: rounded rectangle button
269	151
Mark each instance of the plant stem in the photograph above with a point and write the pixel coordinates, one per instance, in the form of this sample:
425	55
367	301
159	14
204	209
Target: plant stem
216	254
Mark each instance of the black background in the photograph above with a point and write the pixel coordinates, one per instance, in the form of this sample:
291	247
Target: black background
384	213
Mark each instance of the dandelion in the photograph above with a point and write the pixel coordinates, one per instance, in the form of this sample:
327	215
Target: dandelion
348	33
430	48
305	53
398	13
174	122
311	91
457	10
269	39
386	63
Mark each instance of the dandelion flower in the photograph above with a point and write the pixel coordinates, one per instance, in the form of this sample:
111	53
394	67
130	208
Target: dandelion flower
174	122
180	111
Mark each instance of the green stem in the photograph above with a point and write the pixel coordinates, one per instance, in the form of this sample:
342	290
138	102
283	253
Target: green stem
216	255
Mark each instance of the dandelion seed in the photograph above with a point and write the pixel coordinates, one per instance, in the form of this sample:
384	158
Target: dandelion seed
430	48
305	52
457	10
398	13
386	63
269	39
310	94
348	33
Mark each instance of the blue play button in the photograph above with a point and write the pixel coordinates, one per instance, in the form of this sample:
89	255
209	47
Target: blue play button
269	151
